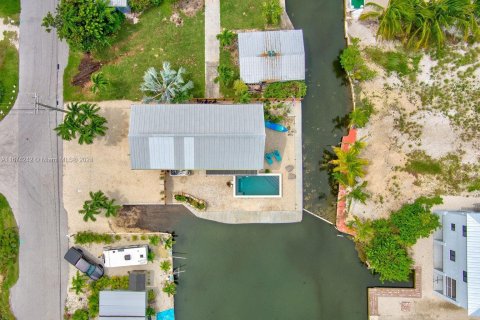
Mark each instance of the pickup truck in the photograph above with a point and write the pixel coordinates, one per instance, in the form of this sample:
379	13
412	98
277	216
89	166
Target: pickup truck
77	258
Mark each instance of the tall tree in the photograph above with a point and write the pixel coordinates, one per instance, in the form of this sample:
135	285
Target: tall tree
84	24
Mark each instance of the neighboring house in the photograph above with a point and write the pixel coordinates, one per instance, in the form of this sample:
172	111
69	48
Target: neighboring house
456	259
120	5
197	137
125	256
270	56
118	305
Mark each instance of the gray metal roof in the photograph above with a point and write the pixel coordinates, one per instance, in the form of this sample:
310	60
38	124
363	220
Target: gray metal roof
473	263
286	63
197	136
122	305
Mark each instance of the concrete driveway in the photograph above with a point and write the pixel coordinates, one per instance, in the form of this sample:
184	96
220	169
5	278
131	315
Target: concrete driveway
30	173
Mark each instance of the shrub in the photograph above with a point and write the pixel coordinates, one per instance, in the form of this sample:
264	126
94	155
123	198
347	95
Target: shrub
226	38
150	312
394	61
151	296
226	75
414	221
385	242
80	314
241	92
9	244
423	166
142	5
285	90
150	255
84	24
353	63
272	12
387	257
360	116
86	237
170	288
180	198
134	238
474	186
154	240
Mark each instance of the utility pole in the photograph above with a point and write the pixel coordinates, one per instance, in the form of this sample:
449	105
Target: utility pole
49	107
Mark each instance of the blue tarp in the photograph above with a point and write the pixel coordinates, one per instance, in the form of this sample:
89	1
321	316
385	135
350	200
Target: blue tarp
166	315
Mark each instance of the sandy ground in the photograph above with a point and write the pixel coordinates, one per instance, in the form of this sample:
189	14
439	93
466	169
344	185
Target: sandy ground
387	146
219	196
155	276
105	165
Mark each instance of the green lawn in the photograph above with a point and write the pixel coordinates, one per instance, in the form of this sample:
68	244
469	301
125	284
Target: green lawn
8	76
10	8
137	47
241	14
8	270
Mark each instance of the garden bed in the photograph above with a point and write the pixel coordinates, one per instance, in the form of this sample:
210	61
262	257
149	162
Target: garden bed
191	201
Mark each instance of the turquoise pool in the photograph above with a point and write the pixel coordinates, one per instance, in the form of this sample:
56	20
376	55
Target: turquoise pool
166	315
261	186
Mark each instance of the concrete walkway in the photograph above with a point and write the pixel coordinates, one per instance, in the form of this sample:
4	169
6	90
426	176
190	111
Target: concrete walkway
212	47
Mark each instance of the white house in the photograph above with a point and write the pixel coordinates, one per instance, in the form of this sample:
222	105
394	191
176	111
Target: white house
456	259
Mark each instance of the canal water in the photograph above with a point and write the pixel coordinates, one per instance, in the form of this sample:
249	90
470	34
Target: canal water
302	271
328	99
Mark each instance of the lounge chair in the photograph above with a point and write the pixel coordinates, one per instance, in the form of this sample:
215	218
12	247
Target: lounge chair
268	158
277	155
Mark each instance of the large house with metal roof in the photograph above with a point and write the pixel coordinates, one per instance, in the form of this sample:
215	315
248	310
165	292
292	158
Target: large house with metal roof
456	259
197	137
270	56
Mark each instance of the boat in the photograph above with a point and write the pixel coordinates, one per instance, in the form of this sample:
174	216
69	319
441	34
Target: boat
275	126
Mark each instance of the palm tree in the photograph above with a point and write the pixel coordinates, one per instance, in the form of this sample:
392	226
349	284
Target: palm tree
82	119
169	242
165	86
170	288
226	37
111	209
349	163
97	199
78	283
99	81
420	23
165	265
89	212
364	230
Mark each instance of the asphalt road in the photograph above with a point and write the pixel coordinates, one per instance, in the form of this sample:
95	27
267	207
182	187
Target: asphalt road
30	173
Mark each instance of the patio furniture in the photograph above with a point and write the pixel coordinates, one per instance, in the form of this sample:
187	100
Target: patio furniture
292	176
277	155
289	168
268	158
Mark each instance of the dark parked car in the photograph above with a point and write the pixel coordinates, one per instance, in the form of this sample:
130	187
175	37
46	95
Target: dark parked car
77	258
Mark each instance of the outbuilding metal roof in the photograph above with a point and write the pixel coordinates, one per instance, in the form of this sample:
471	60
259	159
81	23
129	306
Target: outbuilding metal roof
197	136
271	56
473	263
122	305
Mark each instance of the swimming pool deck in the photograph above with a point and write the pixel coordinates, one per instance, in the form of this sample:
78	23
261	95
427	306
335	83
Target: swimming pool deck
224	207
